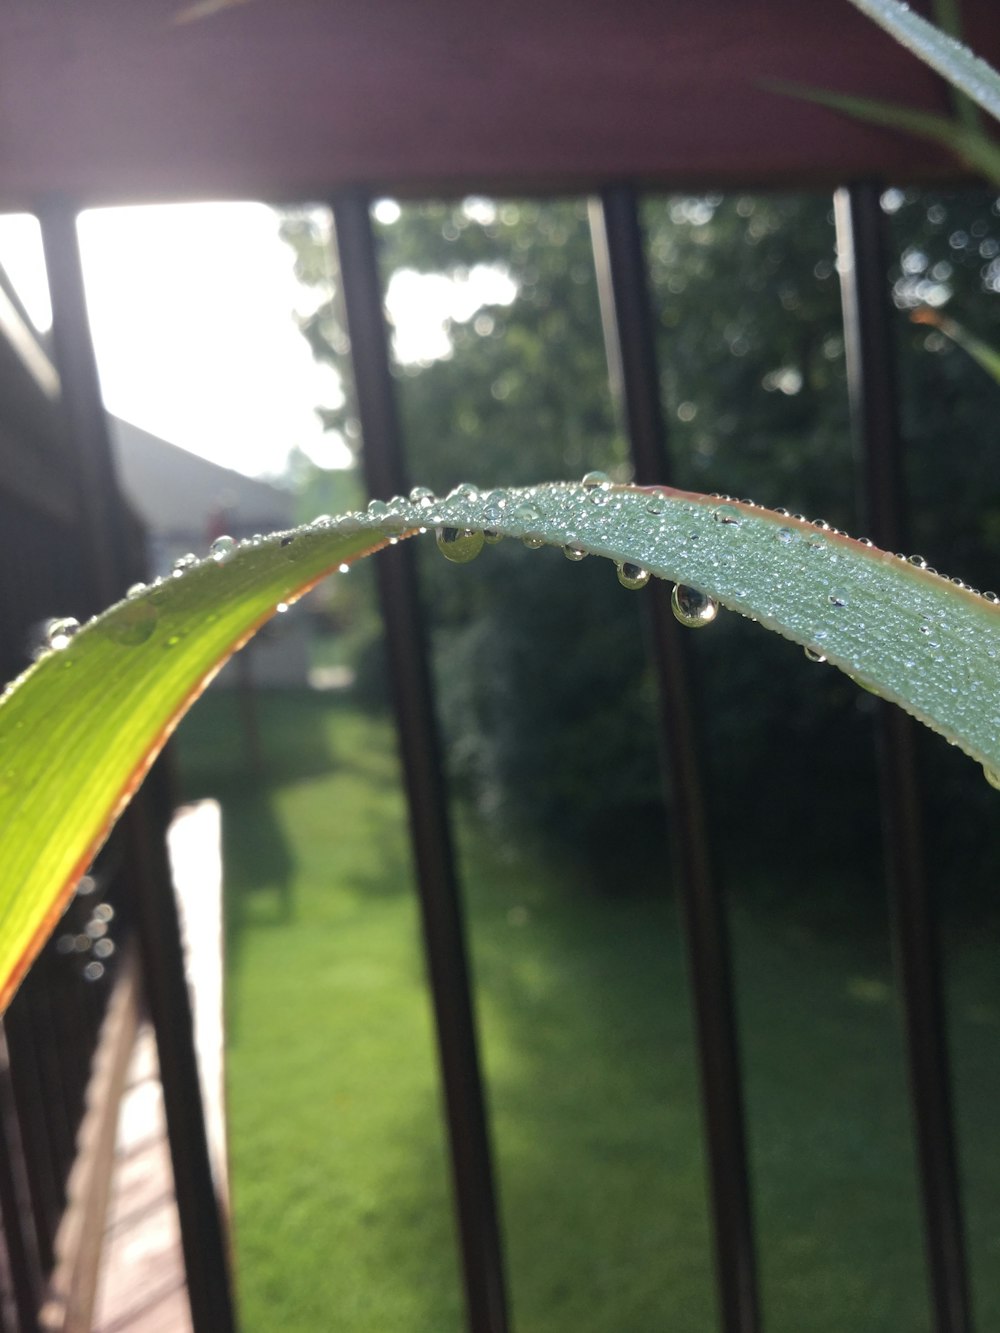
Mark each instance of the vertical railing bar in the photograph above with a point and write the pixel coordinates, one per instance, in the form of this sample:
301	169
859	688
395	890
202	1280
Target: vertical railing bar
444	937
862	259
25	1269
629	331
204	1237
42	1164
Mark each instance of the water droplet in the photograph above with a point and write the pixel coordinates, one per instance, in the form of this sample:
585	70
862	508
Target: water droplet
918	561
423	497
281	608
221	547
460	545
838	598
532	541
133	624
526	513
656	503
992	597
863	685
491	536
691	607
925	628
596	481
574	551
184	562
632	576
786	536
598	487
464	491
727	514
491	515
377	508
992	776
59	632
321	521
343	569
135	590
814	655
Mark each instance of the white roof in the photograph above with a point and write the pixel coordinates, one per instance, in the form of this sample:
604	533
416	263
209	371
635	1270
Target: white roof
181	496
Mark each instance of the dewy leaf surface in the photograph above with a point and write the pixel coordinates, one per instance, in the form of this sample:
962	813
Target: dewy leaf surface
81	727
943	53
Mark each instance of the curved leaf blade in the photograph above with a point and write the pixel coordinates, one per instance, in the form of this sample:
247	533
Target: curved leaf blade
81	727
955	62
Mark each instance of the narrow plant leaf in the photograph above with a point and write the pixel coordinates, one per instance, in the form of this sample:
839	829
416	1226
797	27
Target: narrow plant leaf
969	144
935	48
982	353
81	727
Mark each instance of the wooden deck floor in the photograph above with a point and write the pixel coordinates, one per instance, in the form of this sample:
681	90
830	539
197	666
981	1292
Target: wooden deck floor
122	1209
141	1288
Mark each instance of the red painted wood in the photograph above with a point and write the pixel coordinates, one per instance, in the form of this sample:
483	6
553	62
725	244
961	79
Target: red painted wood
114	100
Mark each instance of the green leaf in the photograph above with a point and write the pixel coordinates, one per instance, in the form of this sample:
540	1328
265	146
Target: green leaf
81	727
941	52
982	353
973	147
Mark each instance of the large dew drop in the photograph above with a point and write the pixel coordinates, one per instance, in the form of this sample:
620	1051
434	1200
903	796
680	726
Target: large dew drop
691	607
221	547
133	624
59	632
460	545
422	496
632	576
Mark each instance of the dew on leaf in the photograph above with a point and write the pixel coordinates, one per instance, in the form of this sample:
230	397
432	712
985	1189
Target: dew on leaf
184	562
594	481
59	632
135	590
459	545
692	607
632	576
728	515
133	624
814	655
222	547
422	496
464	491
574	551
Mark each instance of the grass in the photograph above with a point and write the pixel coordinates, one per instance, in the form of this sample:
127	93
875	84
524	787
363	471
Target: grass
341	1192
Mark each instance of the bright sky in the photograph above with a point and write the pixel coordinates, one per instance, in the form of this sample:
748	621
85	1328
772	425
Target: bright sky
192	309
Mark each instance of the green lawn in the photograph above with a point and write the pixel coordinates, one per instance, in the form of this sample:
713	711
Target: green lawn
341	1192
